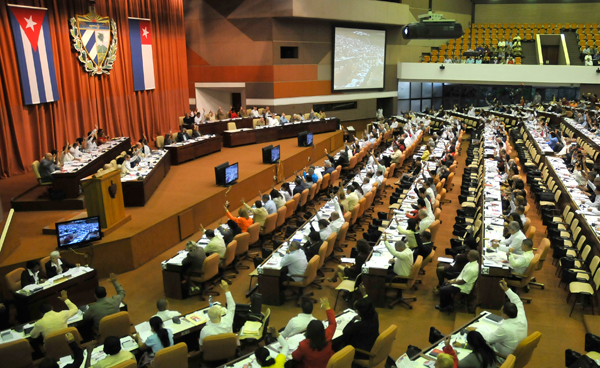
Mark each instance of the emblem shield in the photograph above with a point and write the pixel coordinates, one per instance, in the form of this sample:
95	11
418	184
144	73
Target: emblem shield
95	38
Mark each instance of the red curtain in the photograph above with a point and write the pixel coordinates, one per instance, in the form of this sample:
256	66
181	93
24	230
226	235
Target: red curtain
27	132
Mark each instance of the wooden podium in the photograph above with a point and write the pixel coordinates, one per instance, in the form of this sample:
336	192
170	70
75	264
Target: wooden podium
104	198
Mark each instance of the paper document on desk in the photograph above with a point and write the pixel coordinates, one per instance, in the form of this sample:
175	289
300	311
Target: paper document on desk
76	318
143	330
196	318
69	359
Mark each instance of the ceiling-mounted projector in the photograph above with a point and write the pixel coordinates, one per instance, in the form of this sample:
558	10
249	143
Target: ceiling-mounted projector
433	26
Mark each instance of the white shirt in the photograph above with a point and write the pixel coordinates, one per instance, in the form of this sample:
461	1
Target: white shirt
520	262
514	242
511	332
326	232
469	275
224	326
58	267
75	152
296	263
166	315
425	223
404	260
147	150
367	187
35	276
270	207
254	113
297	324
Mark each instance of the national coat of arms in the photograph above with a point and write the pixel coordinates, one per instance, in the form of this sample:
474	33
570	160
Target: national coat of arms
95	38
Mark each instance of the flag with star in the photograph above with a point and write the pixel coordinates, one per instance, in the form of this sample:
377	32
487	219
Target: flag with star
33	47
140	37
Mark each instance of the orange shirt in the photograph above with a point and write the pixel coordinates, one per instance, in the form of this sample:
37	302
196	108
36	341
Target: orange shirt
243	223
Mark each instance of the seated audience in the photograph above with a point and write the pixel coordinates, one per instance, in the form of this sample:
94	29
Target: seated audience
481	356
192	264
299	188
316	349
263	356
298	324
363	330
513	242
216	244
402	263
277	198
56	265
104	306
77	355
47	167
53	321
312	245
218	324
351	272
260	213
31	275
520	262
114	354
505	339
161	338
269	204
182	136
243	221
462	284
163	310
295	261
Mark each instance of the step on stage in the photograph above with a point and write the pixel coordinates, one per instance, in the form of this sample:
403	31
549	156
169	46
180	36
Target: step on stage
186	198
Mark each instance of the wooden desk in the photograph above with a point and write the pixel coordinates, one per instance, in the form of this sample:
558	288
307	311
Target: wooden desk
218	127
70	182
194	150
274	133
80	290
137	193
239	138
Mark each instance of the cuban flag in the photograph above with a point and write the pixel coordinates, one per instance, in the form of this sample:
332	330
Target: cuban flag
140	36
34	52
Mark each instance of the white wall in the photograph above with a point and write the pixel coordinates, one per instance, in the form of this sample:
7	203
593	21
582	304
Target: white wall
551	75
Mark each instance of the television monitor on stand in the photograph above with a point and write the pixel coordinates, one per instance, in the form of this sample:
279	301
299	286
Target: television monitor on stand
78	233
220	173
231	174
309	139
266	154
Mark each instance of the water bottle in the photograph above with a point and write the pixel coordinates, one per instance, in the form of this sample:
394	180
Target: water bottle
210	301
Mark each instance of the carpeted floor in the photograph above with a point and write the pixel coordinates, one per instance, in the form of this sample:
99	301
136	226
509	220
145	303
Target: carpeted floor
548	312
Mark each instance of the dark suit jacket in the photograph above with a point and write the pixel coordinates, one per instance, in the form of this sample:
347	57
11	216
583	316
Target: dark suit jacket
27	279
359	334
195	134
311	249
51	271
298	189
46	168
180	136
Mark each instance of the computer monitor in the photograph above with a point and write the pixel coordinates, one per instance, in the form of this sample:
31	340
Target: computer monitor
275	154
231	174
220	173
309	139
77	233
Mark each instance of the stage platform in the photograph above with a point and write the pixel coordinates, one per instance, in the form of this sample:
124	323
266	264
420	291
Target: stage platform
186	198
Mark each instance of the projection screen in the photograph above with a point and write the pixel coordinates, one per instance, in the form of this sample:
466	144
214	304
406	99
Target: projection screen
358	59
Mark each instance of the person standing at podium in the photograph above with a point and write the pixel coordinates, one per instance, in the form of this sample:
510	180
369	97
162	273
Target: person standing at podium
56	265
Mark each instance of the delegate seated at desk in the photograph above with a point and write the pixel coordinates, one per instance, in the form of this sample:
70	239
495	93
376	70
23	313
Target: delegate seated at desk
53	321
114	354
216	244
312	245
77	355
520	262
182	136
316	350
263	356
296	263
513	242
216	323
462	284
56	265
160	339
505	339
401	263
260	213
192	264
163	310
31	275
363	330
299	323
104	306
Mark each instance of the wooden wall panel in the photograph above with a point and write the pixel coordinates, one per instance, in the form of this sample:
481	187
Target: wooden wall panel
286	73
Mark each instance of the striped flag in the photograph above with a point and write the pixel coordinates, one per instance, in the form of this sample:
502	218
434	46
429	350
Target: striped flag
34	52
140	36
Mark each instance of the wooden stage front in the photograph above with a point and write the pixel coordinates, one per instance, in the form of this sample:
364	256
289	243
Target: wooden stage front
186	198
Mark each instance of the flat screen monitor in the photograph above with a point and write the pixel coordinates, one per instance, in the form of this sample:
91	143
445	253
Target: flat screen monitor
275	154
305	139
266	154
220	173
358	59
76	233
231	174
